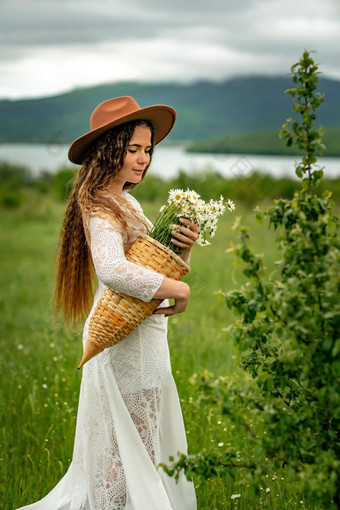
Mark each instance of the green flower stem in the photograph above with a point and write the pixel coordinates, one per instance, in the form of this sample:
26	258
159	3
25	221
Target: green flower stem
161	231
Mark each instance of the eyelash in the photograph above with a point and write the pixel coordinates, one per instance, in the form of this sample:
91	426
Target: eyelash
148	152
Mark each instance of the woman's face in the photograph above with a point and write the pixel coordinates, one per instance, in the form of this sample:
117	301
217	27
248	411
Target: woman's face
136	159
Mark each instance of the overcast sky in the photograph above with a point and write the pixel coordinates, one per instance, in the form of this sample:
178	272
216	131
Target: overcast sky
48	47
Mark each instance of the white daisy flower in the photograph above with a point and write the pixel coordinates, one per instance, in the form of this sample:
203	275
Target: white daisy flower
230	205
175	195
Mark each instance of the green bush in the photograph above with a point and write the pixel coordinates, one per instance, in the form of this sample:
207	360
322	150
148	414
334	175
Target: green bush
10	199
287	333
44	182
62	183
14	177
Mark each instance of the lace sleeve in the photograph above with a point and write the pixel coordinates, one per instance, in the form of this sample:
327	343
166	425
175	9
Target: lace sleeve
112	267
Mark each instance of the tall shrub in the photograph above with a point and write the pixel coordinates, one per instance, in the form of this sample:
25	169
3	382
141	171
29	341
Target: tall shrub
288	329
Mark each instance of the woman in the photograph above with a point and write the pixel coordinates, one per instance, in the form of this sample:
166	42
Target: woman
129	416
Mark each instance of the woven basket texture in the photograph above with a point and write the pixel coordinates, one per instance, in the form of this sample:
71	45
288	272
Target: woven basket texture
116	314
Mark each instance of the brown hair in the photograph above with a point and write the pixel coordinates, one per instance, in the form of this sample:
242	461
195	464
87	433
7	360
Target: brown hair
74	281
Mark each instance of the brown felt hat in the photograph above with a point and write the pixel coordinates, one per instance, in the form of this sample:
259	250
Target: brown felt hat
116	111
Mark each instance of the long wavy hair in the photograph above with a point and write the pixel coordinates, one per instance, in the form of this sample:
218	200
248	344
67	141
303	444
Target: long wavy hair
73	293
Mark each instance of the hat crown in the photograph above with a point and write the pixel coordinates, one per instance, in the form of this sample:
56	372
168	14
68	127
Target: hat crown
112	109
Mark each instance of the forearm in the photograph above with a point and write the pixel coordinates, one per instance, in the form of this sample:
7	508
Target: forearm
172	289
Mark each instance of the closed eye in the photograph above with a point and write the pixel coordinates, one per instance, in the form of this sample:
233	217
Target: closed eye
147	152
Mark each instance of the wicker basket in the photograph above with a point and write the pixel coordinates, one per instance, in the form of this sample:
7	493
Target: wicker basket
117	315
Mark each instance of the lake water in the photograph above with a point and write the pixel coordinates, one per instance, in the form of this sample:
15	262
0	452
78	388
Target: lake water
167	161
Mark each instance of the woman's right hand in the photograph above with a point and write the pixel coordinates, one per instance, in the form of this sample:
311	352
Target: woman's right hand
172	289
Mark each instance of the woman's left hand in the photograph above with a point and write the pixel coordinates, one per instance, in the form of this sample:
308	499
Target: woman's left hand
186	237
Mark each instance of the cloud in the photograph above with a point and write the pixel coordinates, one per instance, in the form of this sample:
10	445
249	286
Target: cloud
54	46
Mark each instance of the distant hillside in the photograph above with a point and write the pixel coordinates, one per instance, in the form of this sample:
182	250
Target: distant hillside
263	142
205	109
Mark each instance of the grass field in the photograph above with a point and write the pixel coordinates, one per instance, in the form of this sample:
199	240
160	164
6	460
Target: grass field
38	364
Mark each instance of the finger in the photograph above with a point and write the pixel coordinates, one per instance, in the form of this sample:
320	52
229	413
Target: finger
184	237
168	310
190	224
165	309
189	233
181	244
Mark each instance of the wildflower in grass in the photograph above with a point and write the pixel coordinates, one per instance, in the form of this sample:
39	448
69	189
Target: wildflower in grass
267	489
235	496
19	347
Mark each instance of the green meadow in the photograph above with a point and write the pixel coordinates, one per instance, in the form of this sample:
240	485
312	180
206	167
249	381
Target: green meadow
40	380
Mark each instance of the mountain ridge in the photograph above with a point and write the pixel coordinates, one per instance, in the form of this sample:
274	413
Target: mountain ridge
206	109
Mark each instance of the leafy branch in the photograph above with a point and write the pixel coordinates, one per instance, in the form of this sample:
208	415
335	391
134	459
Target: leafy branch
287	331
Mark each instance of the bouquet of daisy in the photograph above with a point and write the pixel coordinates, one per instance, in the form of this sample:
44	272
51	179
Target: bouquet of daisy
188	204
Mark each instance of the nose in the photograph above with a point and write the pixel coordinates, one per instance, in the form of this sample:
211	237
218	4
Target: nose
143	159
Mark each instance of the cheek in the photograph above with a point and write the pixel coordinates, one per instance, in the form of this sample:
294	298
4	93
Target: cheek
128	160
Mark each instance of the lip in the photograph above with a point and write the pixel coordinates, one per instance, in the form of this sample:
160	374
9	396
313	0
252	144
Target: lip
139	171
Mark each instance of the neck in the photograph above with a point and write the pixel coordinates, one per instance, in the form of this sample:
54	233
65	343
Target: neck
115	190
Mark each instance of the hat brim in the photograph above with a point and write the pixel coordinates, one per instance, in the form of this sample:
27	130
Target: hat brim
163	118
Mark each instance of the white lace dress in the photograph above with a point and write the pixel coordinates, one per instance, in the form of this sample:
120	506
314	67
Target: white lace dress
129	415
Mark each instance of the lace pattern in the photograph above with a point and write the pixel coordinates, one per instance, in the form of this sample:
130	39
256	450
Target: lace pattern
113	269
